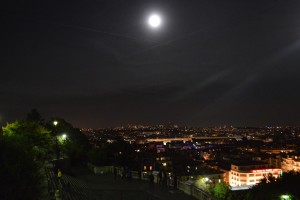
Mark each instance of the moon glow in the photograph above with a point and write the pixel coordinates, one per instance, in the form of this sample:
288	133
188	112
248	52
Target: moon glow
154	21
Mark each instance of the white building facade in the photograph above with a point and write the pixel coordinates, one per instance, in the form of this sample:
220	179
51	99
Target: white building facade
245	176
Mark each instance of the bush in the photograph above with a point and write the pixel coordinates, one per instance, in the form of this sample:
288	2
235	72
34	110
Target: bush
20	177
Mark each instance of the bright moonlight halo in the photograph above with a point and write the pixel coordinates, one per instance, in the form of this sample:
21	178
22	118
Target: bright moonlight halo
154	21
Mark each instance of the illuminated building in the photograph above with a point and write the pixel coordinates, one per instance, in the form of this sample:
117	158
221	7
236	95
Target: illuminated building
291	164
244	175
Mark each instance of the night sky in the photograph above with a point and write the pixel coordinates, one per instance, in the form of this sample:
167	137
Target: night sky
99	64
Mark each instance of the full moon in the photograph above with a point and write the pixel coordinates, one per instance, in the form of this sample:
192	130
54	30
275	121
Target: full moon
154	21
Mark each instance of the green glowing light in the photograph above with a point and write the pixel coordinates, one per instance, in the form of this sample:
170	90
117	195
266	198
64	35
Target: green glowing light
285	197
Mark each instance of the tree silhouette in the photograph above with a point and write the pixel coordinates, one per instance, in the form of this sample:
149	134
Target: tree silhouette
31	135
76	145
271	188
19	170
34	115
221	191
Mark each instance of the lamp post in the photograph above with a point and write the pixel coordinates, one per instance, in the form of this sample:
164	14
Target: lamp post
56	140
206	182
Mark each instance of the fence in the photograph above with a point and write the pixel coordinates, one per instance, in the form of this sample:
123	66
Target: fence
100	169
122	195
192	190
186	187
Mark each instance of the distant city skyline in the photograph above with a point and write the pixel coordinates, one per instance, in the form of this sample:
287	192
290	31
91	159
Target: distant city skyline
100	64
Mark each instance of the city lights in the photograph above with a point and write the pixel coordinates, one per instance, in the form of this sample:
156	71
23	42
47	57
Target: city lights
170	100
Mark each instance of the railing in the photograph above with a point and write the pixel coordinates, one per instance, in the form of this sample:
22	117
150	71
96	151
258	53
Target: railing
192	190
201	195
115	194
184	187
187	188
53	184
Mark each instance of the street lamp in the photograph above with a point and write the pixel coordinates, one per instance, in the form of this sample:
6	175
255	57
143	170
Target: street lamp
55	123
56	140
61	138
64	136
285	197
206	183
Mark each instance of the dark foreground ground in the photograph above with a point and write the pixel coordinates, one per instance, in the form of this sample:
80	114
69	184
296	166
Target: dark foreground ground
84	185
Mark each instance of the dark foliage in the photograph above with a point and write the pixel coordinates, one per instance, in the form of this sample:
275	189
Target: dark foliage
271	188
75	145
117	153
20	178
